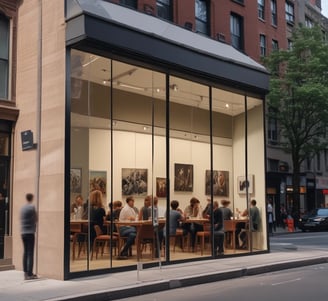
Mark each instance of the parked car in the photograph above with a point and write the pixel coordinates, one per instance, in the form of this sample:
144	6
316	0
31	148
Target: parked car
317	220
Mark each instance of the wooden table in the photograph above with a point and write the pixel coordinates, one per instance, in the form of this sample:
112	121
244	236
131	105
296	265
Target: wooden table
144	229
230	226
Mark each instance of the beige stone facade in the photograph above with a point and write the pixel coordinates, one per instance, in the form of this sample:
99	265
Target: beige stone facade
41	101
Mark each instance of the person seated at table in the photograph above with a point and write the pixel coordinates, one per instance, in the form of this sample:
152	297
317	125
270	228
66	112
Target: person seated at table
218	230
127	214
193	210
145	211
226	211
97	213
115	213
207	211
241	227
175	217
77	207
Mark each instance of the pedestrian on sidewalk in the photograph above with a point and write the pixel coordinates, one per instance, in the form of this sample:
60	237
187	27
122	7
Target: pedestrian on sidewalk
270	217
29	219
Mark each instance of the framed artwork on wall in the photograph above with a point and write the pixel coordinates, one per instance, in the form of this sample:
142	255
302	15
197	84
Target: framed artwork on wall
242	184
183	177
134	181
161	187
220	183
98	181
76	180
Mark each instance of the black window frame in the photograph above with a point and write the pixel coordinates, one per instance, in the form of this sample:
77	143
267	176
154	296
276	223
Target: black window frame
162	6
290	15
5	58
234	37
129	3
205	23
274	12
263	47
261	9
275	45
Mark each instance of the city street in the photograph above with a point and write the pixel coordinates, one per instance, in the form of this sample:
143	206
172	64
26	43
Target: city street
300	284
301	240
295	284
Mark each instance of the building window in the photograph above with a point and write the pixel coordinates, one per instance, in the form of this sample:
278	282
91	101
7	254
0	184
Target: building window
260	8
4	56
272	130
238	1
236	30
130	3
289	12
308	22
289	44
308	163
318	162
274	18
262	45
326	159
275	45
273	165
202	16
164	9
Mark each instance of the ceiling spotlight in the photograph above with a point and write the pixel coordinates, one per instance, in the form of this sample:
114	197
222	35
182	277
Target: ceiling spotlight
104	82
158	90
227	105
145	128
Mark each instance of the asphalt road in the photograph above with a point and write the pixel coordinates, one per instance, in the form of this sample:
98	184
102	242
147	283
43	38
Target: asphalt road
302	284
302	240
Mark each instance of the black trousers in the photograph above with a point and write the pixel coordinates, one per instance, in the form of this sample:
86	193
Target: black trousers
28	255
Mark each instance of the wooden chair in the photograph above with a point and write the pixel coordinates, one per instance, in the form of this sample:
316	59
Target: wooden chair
201	235
229	229
121	240
78	239
101	240
147	237
175	238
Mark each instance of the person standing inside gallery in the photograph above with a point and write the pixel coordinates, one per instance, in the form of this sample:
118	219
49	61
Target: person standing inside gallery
29	218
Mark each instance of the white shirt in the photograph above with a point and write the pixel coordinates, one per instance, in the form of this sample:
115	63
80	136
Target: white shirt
126	213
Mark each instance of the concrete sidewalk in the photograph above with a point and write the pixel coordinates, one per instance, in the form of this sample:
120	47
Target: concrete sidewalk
132	283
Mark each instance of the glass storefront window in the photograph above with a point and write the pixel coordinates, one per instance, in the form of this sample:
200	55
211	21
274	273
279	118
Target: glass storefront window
129	153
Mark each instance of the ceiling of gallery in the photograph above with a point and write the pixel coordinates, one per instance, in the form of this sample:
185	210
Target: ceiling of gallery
139	80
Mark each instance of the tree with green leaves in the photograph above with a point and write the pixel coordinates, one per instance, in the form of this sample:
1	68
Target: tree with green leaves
298	97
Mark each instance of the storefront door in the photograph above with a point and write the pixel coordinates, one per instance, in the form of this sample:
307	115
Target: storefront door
4	191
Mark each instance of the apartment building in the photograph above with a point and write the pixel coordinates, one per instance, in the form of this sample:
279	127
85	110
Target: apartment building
8	116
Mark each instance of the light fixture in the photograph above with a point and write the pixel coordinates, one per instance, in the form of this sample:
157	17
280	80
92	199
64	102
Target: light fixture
130	86
92	59
158	90
145	128
174	87
227	105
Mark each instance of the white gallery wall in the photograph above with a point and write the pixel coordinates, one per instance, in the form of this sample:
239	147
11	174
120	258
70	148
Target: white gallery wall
134	150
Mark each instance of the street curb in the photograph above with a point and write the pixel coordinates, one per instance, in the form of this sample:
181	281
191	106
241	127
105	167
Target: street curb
162	285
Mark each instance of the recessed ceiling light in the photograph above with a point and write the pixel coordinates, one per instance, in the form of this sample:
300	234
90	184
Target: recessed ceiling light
227	105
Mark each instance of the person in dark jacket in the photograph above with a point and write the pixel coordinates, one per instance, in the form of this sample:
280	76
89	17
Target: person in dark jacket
218	230
28	217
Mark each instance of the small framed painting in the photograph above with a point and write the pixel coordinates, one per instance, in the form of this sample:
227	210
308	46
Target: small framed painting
243	184
183	177
76	180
